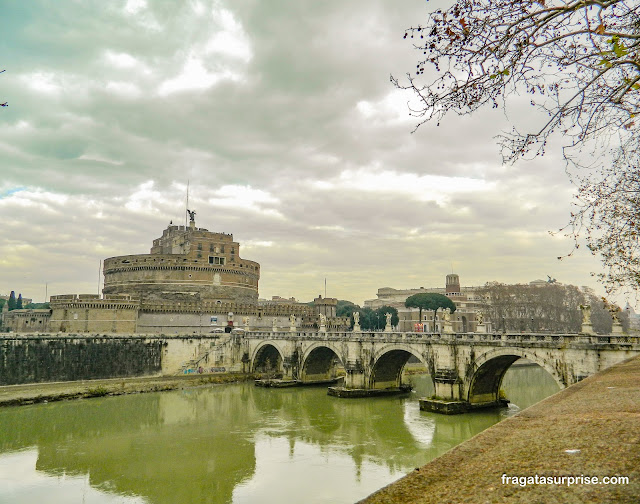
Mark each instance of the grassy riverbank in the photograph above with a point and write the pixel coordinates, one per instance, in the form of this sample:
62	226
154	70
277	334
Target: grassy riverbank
32	393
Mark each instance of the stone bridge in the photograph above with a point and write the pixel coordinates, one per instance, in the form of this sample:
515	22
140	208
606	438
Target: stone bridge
467	369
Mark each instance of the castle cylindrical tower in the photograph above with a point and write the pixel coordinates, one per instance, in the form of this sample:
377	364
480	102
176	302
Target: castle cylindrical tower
185	261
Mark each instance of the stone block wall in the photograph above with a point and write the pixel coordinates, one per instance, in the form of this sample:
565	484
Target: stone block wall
27	320
153	275
82	313
49	358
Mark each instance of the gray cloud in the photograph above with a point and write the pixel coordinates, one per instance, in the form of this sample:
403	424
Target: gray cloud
282	117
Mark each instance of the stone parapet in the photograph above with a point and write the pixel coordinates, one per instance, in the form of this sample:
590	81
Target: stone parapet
226	307
121	302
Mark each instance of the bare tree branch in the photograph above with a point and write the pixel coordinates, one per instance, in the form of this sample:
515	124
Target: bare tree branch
580	62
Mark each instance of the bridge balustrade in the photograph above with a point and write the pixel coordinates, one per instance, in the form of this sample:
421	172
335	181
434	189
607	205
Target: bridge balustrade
505	338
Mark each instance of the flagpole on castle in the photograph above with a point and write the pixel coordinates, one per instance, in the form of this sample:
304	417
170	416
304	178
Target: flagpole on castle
187	207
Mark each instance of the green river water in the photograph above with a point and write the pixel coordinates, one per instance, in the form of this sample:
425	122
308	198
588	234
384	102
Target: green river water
235	444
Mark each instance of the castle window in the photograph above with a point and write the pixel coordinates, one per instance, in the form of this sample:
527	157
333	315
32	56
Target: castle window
222	249
216	260
211	247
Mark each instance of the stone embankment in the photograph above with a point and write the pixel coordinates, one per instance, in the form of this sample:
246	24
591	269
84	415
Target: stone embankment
589	429
17	395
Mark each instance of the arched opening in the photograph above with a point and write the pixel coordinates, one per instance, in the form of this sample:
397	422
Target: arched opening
465	325
387	370
321	364
526	383
485	386
267	361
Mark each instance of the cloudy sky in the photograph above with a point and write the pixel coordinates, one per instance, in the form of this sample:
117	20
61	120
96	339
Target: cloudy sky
281	116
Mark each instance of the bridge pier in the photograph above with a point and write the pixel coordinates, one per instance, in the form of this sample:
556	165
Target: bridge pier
449	394
354	377
359	381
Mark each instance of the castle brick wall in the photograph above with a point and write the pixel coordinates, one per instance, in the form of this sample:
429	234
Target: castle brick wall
88	313
118	314
160	275
27	320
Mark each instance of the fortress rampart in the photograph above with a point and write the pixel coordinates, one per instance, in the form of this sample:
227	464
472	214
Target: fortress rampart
86	313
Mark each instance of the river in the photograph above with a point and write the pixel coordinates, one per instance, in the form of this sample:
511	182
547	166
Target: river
236	444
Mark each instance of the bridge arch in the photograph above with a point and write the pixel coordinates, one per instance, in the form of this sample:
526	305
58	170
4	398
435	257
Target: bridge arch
320	361
484	383
267	358
388	364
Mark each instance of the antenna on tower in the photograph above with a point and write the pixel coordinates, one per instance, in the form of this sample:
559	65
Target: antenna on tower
99	276
187	206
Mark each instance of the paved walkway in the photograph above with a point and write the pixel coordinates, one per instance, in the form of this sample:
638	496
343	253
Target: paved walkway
16	395
589	429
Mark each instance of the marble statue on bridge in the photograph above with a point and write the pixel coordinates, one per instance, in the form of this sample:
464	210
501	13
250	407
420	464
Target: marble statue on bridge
387	327
323	323
356	321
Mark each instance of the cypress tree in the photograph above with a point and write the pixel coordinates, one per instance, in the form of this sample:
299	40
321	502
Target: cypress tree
12	301
19	302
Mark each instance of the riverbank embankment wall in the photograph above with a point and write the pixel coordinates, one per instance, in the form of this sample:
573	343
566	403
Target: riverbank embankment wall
38	358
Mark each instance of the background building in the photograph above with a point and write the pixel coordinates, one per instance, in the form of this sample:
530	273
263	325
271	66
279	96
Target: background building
468	303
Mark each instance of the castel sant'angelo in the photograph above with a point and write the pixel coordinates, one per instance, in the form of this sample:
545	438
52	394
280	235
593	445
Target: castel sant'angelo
187	261
192	281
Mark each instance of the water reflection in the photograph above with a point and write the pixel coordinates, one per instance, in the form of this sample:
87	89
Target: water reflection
528	384
20	482
231	444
